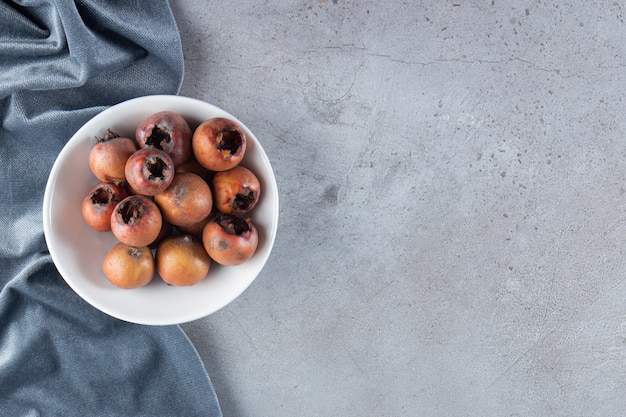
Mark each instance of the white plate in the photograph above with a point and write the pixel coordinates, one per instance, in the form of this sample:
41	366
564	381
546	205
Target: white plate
78	251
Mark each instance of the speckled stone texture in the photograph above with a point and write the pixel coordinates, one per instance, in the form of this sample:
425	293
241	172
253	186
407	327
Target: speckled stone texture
453	206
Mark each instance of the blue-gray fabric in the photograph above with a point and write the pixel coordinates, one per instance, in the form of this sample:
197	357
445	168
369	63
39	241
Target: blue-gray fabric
62	62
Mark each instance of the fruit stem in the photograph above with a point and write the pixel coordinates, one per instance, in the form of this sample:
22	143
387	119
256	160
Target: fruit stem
110	135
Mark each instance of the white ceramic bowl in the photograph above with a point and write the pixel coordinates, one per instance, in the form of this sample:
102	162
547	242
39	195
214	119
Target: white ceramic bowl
78	251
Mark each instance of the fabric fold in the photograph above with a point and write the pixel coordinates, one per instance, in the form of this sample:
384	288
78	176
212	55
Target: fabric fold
72	45
60	64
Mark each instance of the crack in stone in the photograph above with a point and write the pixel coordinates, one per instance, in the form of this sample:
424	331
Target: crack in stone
391	58
557	71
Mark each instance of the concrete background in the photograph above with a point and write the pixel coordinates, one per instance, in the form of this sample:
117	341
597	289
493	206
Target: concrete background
453	206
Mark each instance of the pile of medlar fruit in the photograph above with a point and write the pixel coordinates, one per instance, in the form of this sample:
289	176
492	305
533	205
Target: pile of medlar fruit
176	199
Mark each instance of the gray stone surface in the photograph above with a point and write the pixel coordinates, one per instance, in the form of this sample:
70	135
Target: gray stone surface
453	206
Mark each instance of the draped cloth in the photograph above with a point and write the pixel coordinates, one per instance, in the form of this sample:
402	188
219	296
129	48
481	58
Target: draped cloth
62	62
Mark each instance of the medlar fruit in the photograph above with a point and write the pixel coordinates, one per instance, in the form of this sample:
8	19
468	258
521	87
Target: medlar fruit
107	159
186	201
235	191
167	131
182	261
99	204
219	144
129	267
149	171
230	239
136	221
